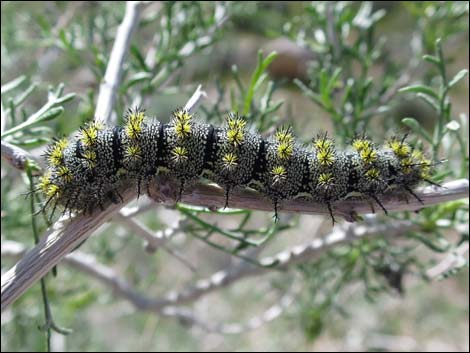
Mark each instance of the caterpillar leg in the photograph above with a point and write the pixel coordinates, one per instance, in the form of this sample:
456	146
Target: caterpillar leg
433	183
330	210
411	192
371	204
276	208
53	211
376	199
139	184
115	196
227	195
180	190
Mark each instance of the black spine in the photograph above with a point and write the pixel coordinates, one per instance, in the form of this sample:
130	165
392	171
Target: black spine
117	148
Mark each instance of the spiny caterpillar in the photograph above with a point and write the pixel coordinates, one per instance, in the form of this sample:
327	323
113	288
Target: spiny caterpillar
90	169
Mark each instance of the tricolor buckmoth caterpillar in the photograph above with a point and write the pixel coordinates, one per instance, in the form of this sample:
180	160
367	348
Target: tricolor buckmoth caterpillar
90	169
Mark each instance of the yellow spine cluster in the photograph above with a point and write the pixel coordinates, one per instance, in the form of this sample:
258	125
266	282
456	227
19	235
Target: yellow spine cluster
373	174
324	150
423	162
399	147
325	179
65	174
134	123
89	134
279	174
182	123
236	129
55	155
230	161
180	154
47	186
360	144
132	153
285	141
89	157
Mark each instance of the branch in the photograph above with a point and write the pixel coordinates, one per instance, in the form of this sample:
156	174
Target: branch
112	77
87	264
195	99
65	236
17	157
188	317
154	240
213	196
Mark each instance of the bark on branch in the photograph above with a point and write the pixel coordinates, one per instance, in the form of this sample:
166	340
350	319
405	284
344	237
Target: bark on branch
67	234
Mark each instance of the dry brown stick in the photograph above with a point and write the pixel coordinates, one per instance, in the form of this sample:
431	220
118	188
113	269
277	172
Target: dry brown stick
213	196
61	239
64	237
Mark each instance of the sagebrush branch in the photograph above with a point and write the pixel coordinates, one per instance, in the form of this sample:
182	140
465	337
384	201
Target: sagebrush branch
212	196
69	233
17	157
112	77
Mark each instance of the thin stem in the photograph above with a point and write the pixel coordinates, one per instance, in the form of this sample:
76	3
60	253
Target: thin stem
49	321
112	77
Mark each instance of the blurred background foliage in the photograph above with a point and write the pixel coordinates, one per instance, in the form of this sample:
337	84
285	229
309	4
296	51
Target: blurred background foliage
345	67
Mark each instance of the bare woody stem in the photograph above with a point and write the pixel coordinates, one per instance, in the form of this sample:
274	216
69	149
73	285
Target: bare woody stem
213	196
17	157
68	234
112	77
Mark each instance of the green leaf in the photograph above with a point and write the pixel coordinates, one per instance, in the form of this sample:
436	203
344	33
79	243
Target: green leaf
432	59
13	84
414	125
65	98
136	78
432	103
140	59
31	143
420	89
460	75
24	95
50	114
308	92
257	75
334	79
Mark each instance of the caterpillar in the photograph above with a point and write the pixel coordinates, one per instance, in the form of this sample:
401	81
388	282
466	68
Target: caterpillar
85	172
